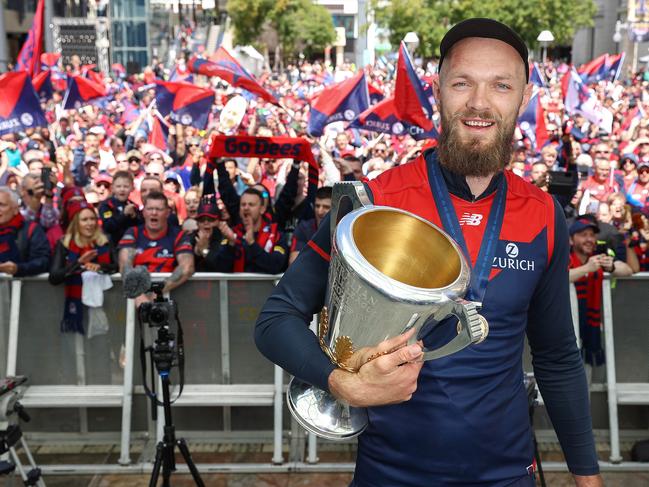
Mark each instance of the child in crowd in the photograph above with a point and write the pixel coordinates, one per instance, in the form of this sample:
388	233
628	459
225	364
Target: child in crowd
118	213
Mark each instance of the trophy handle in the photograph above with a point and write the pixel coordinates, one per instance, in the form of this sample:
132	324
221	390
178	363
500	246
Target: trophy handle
347	196
471	328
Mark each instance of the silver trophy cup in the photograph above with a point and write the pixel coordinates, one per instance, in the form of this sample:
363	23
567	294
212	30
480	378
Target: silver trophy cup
390	270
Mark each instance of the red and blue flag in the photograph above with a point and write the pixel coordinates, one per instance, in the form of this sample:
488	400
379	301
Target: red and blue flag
226	67
20	108
595	70
536	76
342	101
532	122
376	94
42	83
614	66
29	58
383	118
158	131
180	74
410	101
50	60
184	103
82	91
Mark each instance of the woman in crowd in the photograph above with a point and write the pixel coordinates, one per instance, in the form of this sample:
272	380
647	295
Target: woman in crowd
211	240
84	247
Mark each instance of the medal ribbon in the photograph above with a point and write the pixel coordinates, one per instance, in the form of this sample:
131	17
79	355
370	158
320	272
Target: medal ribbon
479	273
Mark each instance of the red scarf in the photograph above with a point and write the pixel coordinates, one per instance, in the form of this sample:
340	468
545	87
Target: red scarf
8	233
589	297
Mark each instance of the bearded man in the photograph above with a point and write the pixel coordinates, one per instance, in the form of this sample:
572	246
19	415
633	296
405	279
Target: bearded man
462	419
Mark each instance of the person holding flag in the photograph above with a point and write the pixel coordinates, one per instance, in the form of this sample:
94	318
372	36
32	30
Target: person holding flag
462	419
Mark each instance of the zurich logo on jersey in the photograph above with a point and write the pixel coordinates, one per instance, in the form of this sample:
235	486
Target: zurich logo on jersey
511	259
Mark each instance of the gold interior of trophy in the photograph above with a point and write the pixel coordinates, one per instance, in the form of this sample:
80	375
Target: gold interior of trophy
406	249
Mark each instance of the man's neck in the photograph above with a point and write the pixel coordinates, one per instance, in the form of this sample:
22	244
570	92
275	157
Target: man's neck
478	184
256	225
156	234
581	256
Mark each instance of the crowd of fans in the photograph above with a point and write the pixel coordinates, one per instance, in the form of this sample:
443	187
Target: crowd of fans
91	193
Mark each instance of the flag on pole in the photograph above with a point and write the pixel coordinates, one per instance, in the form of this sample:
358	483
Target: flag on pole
536	76
158	130
383	118
185	103
342	101
614	65
29	58
532	122
376	94
410	101
81	91
579	99
20	108
594	70
42	83
226	67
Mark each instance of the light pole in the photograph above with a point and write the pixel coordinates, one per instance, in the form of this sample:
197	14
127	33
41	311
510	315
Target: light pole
617	38
412	42
545	38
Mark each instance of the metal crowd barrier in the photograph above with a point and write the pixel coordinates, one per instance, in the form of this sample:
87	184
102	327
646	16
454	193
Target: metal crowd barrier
221	309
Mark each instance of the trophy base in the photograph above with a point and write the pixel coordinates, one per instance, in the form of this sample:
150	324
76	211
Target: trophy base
322	414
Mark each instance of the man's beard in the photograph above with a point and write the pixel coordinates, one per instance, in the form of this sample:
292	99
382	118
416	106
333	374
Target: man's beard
474	157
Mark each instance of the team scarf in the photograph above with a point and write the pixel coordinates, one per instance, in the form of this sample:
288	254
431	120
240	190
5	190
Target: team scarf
262	147
589	298
73	312
267	237
8	233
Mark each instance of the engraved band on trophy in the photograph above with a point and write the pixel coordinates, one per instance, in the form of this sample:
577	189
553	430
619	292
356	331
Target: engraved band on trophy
390	270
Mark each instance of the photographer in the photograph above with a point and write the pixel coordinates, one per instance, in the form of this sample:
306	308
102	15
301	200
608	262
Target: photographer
588	262
37	194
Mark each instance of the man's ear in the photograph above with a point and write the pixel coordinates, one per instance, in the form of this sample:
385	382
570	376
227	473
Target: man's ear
436	88
527	94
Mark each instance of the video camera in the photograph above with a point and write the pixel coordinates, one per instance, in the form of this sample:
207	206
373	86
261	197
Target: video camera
158	312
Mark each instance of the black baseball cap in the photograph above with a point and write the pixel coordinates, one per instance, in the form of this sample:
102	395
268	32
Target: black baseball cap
483	27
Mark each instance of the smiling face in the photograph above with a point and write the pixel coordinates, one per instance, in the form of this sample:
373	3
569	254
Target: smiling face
87	223
481	92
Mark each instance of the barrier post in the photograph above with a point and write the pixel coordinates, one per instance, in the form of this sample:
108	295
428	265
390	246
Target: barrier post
14	320
127	394
611	380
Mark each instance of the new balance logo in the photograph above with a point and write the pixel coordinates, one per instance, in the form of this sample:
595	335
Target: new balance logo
472	219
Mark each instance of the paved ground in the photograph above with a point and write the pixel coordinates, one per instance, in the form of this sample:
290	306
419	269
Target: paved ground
257	453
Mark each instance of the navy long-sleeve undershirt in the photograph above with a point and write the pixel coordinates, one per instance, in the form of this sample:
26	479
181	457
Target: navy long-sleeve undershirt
283	336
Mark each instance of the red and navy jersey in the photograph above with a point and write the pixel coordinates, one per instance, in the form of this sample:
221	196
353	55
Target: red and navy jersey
158	255
467	423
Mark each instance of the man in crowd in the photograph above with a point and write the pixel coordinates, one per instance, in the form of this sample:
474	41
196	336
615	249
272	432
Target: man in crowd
307	228
24	250
598	187
260	246
462	419
38	203
638	192
156	245
588	262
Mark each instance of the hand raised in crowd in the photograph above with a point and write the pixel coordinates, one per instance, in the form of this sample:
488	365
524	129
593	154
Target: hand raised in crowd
130	210
227	232
249	236
202	240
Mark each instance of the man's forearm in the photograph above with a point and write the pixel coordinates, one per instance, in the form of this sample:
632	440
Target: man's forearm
179	276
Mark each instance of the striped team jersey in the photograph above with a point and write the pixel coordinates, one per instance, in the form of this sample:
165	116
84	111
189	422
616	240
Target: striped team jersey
158	255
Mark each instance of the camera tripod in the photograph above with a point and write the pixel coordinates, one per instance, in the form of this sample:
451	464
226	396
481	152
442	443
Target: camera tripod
162	354
11	433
